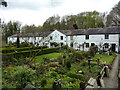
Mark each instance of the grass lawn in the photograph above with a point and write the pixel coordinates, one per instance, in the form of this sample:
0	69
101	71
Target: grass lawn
49	56
107	58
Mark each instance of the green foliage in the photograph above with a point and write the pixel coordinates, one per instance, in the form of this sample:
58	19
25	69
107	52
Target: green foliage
113	16
82	20
23	75
10	28
14	49
53	74
24	44
48	56
76	76
78	55
107	58
29	53
61	71
42	73
93	50
68	64
43	82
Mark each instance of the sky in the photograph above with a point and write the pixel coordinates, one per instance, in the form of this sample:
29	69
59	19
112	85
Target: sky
37	11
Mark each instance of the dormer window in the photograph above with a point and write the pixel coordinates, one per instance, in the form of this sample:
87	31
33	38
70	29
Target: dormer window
106	36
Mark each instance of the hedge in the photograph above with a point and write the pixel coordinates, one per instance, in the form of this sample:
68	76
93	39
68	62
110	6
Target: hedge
76	76
29	53
14	49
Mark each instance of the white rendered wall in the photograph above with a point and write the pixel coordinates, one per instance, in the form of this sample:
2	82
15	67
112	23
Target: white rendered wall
56	37
96	39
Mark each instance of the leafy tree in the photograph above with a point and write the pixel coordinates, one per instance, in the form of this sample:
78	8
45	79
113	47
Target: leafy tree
113	18
10	28
82	20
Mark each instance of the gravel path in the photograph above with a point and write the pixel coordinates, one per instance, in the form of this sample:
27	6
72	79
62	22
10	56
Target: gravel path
112	81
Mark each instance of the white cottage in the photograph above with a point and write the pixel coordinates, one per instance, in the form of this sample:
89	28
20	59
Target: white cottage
104	38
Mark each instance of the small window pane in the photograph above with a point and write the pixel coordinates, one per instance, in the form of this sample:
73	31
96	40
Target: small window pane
87	37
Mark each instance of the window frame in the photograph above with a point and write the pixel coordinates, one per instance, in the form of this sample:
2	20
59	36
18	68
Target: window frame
106	36
87	37
61	37
51	38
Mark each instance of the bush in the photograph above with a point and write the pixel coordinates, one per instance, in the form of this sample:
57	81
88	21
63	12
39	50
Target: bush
43	82
23	75
76	76
93	50
24	44
53	74
68	64
61	70
14	49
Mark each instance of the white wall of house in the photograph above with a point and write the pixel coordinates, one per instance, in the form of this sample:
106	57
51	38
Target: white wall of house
98	40
79	41
25	39
57	37
11	39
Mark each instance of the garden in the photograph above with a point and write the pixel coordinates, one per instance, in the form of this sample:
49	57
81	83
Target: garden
42	67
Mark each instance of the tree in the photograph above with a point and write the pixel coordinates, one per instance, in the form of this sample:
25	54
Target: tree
80	21
113	18
10	28
52	23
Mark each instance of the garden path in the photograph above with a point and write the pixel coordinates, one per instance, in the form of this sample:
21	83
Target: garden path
112	81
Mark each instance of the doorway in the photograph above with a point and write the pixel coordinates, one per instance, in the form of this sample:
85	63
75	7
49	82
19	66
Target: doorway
113	47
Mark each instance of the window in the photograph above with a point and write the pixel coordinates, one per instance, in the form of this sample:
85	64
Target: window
106	45
71	37
87	37
106	36
50	37
61	37
87	45
92	44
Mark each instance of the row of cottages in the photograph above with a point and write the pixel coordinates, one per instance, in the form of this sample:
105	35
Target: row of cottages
80	39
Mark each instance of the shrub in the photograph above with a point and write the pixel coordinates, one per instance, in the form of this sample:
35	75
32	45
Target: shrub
76	76
14	49
23	75
93	50
68	64
78	54
28	53
61	70
43	82
53	74
54	64
24	44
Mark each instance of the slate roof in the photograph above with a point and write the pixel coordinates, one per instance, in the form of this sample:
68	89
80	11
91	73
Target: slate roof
90	31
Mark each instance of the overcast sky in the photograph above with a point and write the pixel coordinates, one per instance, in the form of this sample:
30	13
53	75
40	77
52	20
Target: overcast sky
37	11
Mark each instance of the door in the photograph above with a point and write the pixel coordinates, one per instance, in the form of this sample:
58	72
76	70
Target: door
113	47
